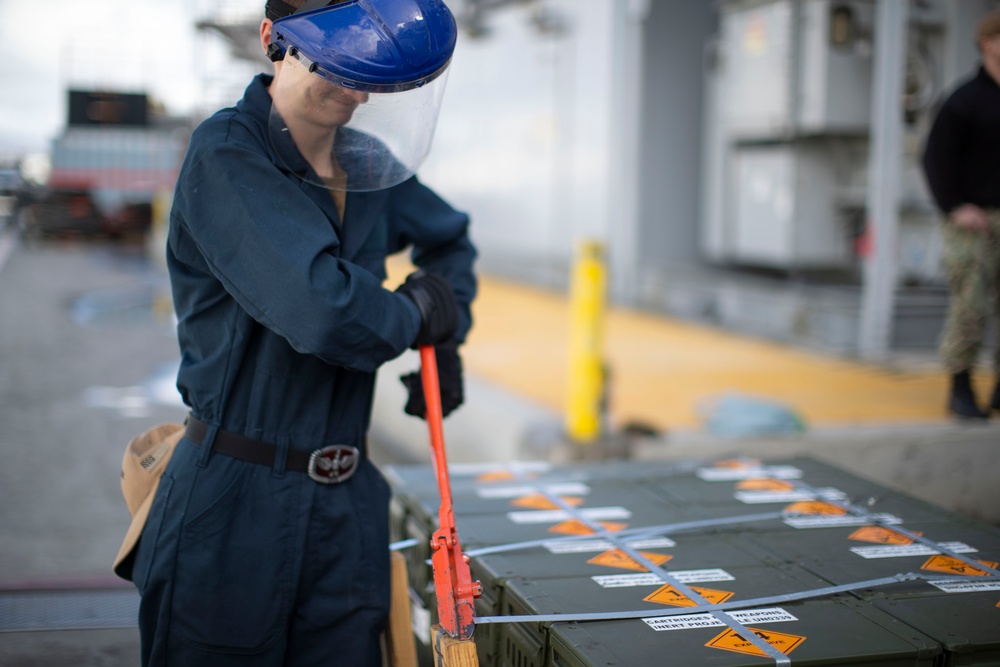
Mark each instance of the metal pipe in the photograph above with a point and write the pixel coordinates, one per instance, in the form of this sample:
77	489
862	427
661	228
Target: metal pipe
884	177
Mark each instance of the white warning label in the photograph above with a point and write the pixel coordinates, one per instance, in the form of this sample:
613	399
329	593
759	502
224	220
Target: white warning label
589	546
833	521
567	489
651	579
904	550
966	586
754	472
761	497
755	616
552	516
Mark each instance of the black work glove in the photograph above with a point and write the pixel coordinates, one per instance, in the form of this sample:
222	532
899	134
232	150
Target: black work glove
435	299
449	366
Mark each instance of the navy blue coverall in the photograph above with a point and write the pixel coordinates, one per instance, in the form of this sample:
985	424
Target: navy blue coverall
282	324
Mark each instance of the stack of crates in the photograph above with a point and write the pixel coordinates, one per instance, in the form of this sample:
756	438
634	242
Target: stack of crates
571	539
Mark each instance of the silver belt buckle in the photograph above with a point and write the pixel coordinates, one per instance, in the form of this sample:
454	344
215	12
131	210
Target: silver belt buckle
333	464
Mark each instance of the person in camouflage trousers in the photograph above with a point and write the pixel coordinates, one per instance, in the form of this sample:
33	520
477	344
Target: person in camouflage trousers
962	165
972	263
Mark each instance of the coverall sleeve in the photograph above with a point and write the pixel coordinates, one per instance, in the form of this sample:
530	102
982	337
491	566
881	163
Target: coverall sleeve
942	157
440	238
276	253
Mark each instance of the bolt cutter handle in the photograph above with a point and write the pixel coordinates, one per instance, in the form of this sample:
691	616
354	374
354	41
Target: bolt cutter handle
453	585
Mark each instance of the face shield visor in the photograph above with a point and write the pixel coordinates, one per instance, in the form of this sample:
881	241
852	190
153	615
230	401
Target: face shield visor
356	98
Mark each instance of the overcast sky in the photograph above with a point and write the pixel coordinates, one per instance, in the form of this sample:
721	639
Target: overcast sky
127	45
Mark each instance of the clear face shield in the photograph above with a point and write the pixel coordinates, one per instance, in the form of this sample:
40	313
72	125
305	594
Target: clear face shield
357	122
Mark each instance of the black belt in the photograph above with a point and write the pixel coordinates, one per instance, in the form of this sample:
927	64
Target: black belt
329	465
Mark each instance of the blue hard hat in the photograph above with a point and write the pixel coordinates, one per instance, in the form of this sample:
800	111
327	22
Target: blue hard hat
376	46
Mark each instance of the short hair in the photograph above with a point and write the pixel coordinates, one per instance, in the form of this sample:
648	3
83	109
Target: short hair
989	27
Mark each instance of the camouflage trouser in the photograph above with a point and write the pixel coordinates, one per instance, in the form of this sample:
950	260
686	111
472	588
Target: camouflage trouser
972	263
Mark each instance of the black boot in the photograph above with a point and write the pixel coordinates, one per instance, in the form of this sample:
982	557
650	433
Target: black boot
962	401
995	403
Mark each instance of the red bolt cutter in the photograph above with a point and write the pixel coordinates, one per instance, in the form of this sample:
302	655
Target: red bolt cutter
453	585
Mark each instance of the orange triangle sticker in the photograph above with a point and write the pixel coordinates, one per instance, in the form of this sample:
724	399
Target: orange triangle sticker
730	640
496	476
764	485
880	535
538	501
671	596
950	565
618	558
737	463
577	527
815	508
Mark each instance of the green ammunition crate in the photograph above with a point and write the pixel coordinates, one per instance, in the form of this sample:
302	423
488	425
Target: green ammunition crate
846	555
525	596
723	486
647	591
966	624
696	557
474	491
635	507
521	498
827	632
718	485
909	623
698	565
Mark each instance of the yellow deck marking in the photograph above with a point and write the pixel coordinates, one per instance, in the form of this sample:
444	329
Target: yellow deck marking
538	501
618	558
577	527
664	368
815	508
764	485
671	596
950	565
730	640
880	535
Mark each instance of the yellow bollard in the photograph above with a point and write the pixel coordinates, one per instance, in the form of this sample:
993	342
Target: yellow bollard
586	393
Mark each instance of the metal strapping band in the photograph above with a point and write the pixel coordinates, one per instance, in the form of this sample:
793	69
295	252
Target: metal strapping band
636	533
403	544
723	606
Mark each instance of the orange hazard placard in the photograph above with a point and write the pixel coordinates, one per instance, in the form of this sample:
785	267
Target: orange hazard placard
495	476
737	463
730	640
537	501
670	595
950	565
880	535
815	508
577	527
618	558
764	485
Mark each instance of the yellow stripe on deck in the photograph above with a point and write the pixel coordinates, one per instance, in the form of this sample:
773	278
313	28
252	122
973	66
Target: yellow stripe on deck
663	369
